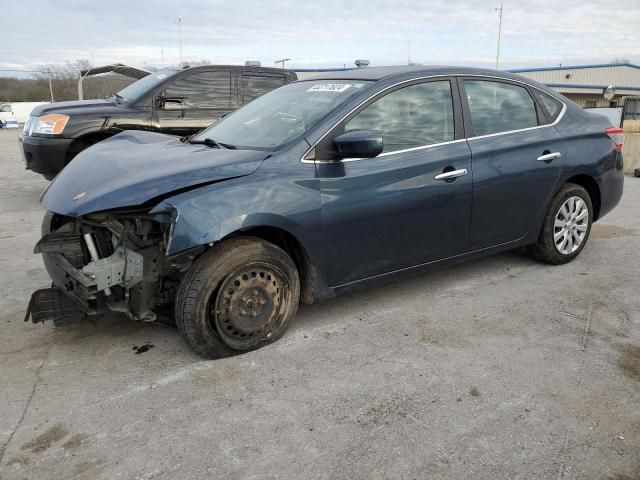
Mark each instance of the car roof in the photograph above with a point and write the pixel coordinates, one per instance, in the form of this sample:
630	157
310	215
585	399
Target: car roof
409	71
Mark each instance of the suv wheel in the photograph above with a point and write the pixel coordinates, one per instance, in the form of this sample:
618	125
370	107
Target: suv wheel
566	227
239	296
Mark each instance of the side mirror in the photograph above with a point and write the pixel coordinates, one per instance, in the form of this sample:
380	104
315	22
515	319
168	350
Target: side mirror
358	144
158	101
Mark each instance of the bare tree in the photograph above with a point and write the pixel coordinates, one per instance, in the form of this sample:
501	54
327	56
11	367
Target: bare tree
620	61
197	63
64	81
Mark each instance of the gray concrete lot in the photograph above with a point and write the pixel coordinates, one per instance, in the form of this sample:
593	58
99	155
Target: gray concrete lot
498	368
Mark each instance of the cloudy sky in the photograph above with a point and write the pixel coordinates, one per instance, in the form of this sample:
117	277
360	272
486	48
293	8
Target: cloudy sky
319	33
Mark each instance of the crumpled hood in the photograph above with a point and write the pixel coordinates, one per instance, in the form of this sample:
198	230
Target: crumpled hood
134	167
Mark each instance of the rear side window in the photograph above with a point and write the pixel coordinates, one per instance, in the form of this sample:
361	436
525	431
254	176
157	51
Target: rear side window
254	86
499	107
550	104
413	116
5	108
200	90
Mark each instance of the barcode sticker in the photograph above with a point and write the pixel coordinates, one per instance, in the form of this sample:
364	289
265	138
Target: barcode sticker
329	87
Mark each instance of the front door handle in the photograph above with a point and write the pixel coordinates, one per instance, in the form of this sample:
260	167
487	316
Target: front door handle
548	157
451	174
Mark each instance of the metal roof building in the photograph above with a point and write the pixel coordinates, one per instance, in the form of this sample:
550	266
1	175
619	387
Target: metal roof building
585	84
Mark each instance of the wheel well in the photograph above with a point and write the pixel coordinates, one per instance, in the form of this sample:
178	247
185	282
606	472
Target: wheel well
589	184
294	249
86	141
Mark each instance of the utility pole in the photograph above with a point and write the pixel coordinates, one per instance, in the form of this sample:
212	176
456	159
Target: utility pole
50	87
282	61
499	34
179	22
409	54
162	56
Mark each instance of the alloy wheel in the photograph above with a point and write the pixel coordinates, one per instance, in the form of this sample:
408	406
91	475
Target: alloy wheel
571	225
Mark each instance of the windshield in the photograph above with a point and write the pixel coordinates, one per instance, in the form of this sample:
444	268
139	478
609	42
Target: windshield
281	115
142	86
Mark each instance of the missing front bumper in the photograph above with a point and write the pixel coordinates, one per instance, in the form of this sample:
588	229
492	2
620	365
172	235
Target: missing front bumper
52	304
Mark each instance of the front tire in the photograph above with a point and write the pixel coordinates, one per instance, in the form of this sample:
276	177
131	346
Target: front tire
239	296
566	226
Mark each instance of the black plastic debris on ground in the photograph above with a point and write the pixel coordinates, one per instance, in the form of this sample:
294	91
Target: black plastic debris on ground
142	348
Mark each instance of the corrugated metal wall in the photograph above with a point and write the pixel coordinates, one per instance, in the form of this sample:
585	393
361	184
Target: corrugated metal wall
597	78
627	76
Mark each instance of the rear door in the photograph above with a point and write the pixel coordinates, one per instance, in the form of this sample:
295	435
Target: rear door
397	210
517	156
255	84
194	101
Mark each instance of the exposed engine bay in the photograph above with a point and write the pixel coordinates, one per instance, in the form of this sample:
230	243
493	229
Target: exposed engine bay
103	262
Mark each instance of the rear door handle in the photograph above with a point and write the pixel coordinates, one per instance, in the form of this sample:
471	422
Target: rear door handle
547	157
452	174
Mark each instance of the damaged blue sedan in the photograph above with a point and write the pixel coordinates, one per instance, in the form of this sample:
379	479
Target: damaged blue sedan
317	188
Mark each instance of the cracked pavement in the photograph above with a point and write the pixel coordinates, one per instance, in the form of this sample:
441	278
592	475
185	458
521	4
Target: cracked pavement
497	368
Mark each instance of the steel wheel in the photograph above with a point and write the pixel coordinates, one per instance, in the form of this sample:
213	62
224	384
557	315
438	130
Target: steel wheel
251	302
570	225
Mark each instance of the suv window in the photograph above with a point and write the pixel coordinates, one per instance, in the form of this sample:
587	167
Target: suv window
550	104
409	117
253	86
499	107
5	108
200	90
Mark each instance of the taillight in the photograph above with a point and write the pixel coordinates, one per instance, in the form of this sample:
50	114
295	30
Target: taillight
617	135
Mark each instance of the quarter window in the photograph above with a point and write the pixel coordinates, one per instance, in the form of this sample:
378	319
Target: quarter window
200	90
550	104
253	86
499	107
409	117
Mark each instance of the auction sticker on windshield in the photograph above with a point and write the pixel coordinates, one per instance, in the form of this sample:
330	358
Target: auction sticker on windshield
329	87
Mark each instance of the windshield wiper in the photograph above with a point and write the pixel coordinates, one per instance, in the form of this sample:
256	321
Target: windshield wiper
210	142
118	97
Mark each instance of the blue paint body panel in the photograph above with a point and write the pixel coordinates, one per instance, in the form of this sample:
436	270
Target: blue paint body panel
361	222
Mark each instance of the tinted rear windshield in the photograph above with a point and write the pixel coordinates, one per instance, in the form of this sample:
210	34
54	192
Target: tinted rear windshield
141	87
281	115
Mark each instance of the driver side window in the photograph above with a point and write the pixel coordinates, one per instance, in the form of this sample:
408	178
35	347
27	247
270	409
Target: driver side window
413	116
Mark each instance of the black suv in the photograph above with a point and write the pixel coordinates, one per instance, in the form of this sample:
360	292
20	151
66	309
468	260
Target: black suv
175	101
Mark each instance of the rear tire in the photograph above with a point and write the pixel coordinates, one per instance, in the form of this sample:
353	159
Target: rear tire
239	296
566	226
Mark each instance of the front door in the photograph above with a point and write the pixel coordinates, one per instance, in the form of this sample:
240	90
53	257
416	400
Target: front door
412	203
193	102
516	161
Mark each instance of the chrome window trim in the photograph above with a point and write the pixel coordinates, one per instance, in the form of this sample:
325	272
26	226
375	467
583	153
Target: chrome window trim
422	147
555	122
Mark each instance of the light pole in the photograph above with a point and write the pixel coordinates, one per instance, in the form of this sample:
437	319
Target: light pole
282	61
499	34
179	22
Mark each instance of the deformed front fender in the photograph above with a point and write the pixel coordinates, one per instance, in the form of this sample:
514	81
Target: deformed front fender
209	214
